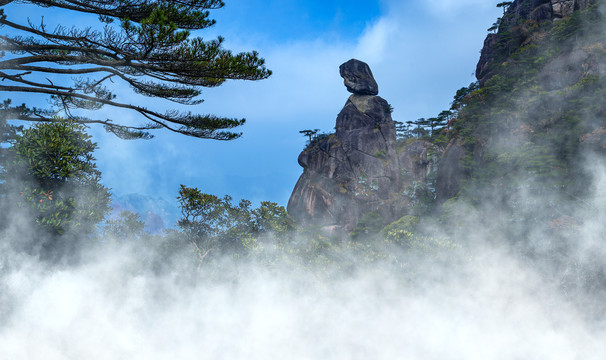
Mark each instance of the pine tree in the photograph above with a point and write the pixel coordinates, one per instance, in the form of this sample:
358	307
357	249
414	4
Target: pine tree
420	127
505	5
441	120
143	44
52	172
401	130
309	133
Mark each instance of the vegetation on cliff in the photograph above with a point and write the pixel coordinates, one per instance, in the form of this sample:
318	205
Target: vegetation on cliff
539	110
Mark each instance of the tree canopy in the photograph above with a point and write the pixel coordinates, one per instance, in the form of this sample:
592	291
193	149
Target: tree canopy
216	224
52	172
145	44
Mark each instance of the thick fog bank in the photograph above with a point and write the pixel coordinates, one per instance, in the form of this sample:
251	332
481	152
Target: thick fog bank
477	294
476	303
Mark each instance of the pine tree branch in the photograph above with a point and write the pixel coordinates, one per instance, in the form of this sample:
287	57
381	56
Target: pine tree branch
173	93
156	57
84	39
189	127
195	72
45	48
140	10
19	79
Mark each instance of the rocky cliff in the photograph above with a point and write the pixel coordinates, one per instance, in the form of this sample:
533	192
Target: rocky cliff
518	24
532	74
355	170
360	169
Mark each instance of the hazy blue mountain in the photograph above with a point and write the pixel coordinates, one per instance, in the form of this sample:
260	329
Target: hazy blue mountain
157	213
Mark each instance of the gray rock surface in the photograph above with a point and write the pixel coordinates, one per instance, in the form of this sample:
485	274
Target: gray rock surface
483	72
563	8
542	12
451	173
351	172
415	161
358	78
567	69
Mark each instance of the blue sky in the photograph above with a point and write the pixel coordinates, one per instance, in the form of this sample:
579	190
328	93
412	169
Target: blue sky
420	51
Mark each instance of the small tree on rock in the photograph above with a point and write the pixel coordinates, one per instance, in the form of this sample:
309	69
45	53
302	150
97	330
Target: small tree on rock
309	133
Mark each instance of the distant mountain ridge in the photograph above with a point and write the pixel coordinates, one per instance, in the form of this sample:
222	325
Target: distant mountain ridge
157	213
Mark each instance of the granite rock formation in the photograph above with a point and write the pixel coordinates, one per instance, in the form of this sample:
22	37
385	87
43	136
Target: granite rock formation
451	171
415	161
563	8
355	170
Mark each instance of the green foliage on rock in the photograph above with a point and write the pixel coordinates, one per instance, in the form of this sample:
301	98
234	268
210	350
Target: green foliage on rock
401	230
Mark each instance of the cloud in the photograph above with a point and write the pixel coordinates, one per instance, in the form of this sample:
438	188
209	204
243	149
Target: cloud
304	82
454	7
376	40
420	57
480	304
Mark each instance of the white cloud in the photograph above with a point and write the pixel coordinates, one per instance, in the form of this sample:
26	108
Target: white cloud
452	7
376	40
304	82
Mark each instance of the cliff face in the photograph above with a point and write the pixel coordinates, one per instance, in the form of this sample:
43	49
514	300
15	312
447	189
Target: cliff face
355	170
533	75
512	25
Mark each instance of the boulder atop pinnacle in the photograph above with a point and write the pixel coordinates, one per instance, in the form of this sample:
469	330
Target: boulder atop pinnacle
358	78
